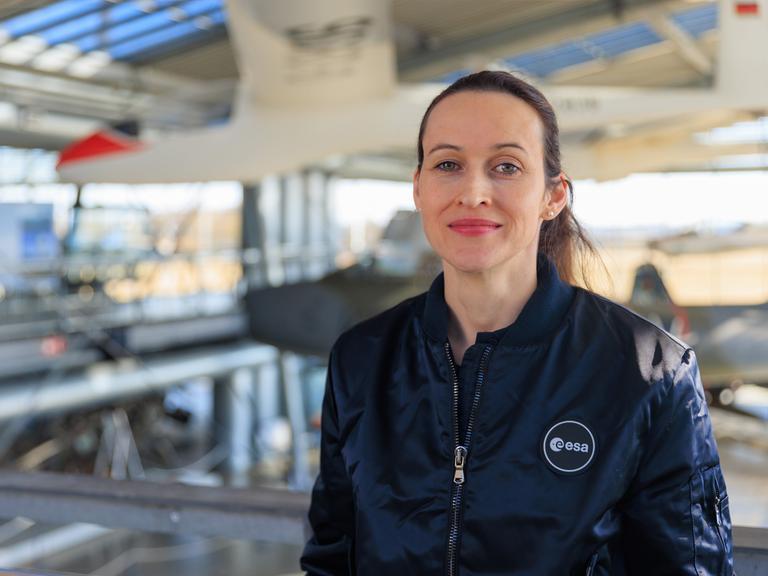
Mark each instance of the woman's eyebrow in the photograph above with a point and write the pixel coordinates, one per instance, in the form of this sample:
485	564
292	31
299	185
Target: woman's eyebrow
510	145
446	147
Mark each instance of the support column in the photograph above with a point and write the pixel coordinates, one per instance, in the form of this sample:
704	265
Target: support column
292	209
267	409
316	226
330	226
253	238
270	212
294	397
233	420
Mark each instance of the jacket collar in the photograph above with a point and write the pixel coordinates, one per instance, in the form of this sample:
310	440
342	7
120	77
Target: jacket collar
541	315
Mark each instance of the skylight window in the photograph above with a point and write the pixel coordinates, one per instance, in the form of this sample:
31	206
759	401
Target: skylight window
42	18
97	22
617	41
125	28
172	35
606	44
138	28
697	21
548	60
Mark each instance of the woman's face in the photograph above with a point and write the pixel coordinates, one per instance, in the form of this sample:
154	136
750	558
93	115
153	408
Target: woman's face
482	190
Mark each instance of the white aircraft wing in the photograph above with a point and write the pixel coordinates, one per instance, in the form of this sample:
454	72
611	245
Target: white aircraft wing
316	79
261	142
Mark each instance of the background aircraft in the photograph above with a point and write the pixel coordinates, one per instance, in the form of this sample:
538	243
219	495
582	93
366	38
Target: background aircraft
731	341
318	80
402	265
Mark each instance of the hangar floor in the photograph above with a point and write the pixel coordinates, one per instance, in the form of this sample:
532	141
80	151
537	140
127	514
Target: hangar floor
743	444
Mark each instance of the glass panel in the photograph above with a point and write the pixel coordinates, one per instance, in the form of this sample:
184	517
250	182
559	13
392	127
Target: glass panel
137	27
697	21
172	34
546	61
37	20
102	21
619	40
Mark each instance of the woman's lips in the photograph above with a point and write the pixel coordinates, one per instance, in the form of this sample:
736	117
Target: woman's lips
473	226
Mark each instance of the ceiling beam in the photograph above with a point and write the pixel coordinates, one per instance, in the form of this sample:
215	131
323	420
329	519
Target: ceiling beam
121	92
685	44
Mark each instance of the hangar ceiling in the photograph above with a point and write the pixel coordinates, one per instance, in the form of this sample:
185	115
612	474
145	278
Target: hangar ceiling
435	37
169	64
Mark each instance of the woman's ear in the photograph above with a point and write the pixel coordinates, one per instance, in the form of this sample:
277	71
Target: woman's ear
556	197
416	197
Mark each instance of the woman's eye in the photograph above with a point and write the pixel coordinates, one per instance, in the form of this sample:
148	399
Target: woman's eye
507	168
447	165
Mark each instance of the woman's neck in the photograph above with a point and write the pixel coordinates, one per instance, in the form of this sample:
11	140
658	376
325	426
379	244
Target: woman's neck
485	301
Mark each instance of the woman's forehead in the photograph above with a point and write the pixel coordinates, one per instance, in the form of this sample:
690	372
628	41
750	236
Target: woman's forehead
478	118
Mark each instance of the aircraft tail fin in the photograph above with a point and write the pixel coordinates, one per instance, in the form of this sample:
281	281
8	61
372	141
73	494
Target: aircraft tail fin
98	144
648	288
651	298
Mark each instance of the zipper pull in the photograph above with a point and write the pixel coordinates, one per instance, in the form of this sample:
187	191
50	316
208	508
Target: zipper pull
459	457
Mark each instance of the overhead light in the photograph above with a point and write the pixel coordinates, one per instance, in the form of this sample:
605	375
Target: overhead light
56	58
147	6
89	64
22	50
177	14
204	22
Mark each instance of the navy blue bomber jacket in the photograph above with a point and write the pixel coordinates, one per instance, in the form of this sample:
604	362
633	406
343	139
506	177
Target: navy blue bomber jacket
576	441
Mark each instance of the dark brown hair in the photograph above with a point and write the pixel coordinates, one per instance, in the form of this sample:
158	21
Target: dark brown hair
562	240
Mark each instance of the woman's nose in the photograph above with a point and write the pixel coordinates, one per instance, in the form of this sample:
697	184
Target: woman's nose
475	190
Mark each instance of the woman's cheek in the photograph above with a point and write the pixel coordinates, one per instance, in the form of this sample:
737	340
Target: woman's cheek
430	232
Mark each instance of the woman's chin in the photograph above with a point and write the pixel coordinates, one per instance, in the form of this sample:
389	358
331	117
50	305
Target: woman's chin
480	261
470	264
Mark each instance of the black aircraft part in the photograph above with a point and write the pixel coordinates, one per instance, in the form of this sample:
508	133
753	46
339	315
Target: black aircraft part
307	317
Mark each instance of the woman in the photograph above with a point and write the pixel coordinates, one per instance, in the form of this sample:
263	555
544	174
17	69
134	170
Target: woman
506	422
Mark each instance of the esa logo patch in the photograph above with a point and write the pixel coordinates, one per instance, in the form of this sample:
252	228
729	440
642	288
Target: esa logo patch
568	447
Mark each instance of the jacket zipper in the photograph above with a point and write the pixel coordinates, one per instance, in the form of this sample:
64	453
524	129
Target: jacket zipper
719	513
460	453
592	564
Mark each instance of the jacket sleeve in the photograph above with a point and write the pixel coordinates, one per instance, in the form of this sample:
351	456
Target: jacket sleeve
331	512
675	516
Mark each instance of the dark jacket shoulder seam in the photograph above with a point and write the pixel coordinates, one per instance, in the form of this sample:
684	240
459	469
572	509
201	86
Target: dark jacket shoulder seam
602	299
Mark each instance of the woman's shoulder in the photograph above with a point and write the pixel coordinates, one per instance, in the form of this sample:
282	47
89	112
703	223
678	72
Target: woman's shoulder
360	350
633	334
